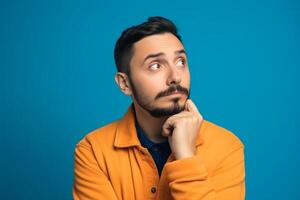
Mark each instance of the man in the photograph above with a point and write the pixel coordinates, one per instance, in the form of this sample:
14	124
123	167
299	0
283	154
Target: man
162	148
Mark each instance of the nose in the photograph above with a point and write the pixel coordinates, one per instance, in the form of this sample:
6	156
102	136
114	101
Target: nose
174	76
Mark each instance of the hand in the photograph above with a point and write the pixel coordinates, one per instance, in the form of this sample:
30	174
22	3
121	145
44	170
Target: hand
182	130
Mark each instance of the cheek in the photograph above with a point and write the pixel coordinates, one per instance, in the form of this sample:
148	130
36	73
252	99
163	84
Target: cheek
186	80
149	86
152	85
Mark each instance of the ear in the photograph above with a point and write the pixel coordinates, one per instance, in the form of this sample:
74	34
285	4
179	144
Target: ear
123	82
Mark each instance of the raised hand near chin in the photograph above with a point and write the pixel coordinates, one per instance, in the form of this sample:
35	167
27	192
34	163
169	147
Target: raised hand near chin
182	130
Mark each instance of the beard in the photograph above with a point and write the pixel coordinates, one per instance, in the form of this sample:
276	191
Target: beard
156	111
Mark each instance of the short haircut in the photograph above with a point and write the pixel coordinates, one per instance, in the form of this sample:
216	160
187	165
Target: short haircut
124	46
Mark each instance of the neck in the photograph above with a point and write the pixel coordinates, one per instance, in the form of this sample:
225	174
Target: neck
151	126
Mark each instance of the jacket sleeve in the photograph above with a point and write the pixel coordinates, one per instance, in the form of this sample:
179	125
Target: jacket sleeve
90	183
188	178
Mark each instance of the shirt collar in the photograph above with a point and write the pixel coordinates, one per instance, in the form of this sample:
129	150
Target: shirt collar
145	141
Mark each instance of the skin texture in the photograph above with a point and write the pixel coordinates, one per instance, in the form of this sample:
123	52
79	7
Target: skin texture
156	75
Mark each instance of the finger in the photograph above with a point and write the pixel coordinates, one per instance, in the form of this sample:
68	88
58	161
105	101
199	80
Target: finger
181	114
167	127
186	106
191	107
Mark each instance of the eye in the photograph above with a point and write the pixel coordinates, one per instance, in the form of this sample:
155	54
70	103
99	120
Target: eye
181	62
154	66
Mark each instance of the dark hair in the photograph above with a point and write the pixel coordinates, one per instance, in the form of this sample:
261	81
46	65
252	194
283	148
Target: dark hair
124	46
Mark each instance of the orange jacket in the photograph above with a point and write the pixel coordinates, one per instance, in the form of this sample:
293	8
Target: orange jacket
110	163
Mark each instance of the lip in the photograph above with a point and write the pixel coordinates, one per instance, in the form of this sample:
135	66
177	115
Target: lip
176	94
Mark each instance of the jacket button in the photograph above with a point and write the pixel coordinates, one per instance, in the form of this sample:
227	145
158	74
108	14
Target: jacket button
153	189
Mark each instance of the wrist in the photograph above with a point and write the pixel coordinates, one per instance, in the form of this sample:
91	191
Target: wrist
183	155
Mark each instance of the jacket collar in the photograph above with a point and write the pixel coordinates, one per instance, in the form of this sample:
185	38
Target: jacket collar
126	134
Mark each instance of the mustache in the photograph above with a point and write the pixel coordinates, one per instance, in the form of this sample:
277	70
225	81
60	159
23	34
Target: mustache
172	89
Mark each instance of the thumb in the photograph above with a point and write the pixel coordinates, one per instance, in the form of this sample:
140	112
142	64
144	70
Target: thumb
167	128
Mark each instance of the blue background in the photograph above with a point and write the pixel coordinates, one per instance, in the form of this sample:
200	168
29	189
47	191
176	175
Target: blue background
57	69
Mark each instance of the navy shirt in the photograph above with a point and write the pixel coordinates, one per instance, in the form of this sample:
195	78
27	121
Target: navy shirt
159	151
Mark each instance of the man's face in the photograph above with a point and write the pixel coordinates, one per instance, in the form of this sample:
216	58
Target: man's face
159	75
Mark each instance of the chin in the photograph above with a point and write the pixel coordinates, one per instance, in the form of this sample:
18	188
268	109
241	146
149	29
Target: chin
170	109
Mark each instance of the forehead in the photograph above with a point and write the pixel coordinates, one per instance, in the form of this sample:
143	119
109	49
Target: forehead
166	43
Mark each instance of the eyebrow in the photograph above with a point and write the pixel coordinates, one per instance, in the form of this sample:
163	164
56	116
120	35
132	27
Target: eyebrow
181	51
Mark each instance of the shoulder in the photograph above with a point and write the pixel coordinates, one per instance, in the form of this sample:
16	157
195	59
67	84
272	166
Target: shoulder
215	135
100	136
